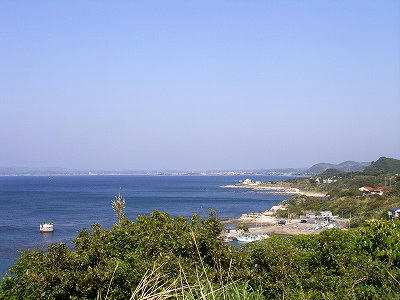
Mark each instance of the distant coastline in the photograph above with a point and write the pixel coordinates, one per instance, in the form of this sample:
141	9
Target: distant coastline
118	174
155	173
347	166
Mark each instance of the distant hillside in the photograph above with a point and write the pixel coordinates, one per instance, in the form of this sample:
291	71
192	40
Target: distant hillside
331	173
319	168
347	166
384	165
352	166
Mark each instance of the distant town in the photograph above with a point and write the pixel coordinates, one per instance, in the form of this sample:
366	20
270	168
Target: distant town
67	172
348	166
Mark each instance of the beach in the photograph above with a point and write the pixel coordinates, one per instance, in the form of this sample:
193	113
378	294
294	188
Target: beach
271	188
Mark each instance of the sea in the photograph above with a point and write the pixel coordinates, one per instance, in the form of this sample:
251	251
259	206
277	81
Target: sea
73	203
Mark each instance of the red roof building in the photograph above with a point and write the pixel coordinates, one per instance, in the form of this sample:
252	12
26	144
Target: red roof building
371	190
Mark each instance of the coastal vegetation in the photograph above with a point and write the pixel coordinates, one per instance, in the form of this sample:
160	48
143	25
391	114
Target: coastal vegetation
384	165
380	166
345	204
343	195
243	227
341	181
159	257
346	166
118	205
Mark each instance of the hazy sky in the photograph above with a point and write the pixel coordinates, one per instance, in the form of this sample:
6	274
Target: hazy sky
198	84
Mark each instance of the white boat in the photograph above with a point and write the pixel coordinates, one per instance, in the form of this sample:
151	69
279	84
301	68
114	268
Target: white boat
46	227
251	237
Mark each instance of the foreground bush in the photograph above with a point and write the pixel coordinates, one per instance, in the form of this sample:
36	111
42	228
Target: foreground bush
162	257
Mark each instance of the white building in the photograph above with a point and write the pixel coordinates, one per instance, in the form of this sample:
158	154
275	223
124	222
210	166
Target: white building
394	213
370	190
329	180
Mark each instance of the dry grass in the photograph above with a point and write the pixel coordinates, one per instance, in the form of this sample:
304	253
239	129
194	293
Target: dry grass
155	285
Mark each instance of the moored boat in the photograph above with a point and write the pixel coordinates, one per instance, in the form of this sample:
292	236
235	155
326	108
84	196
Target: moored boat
251	237
46	227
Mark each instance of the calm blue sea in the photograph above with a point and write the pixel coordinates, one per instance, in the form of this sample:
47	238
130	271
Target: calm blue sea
76	202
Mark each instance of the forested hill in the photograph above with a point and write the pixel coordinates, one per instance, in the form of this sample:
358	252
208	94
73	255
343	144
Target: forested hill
384	165
347	166
381	166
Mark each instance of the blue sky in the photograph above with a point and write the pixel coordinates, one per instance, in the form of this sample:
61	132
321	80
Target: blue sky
198	84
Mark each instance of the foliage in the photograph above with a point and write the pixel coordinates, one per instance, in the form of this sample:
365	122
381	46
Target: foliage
243	227
395	190
331	173
384	165
345	199
281	213
382	241
159	257
345	204
347	181
346	166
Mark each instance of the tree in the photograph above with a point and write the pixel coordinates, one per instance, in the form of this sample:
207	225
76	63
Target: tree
118	205
243	227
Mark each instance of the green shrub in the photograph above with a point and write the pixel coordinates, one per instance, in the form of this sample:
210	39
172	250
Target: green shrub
180	259
243	227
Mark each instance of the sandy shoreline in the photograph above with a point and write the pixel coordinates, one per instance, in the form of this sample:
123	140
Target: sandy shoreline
274	189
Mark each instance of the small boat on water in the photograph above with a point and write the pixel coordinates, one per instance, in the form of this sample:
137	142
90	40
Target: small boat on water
46	227
247	238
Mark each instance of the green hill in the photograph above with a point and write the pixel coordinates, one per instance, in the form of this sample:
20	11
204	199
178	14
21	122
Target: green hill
384	165
331	173
346	166
352	166
319	168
